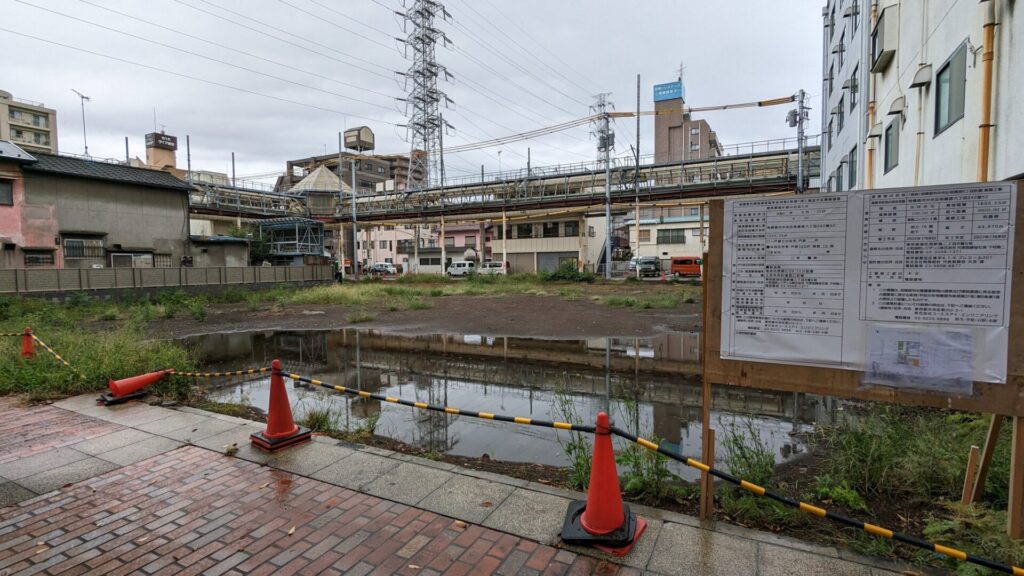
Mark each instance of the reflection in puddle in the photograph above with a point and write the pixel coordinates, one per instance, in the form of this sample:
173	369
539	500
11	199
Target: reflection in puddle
646	385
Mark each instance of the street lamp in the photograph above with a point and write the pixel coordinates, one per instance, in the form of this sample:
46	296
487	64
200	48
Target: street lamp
83	99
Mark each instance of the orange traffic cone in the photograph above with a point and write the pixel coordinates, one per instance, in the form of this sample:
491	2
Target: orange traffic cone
28	345
603	521
281	429
127	389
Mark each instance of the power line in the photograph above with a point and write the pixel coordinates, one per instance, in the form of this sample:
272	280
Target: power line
501	31
357	21
335	24
198	55
196	78
537	42
243	52
286	41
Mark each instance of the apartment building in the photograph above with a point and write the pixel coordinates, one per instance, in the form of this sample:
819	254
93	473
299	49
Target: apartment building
677	136
374	173
30	125
905	90
669	231
542	245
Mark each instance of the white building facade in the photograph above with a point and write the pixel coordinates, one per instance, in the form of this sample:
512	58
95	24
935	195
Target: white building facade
905	88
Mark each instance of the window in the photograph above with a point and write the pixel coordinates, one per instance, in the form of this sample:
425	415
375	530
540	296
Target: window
842	50
830	80
828	141
694	145
645	235
38	258
695	211
694	231
852	168
366	184
161	260
832	23
647	213
839	178
470	241
883	41
449	241
571	228
854	11
551	229
524	230
950	85
83	248
892	144
695	131
840	115
430	261
380	169
853	88
672	236
6	193
498	232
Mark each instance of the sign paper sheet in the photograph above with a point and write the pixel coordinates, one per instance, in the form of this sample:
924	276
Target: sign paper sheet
816	279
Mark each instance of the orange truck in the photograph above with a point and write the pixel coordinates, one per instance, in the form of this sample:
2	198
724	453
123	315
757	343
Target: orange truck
686	266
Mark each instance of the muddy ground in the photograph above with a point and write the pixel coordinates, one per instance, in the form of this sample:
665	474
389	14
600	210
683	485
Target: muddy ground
527	316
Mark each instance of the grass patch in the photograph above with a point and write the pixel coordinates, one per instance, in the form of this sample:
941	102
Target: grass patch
661	300
358	317
570	294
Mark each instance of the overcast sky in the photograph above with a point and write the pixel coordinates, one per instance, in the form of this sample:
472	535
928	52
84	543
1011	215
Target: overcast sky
293	73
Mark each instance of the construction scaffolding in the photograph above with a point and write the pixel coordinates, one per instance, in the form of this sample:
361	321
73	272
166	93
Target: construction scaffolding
292	239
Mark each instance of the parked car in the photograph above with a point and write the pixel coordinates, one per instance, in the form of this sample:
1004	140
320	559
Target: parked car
686	266
461	268
492	267
649	266
383	269
631	267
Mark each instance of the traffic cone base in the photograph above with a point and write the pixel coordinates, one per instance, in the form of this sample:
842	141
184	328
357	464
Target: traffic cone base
260	440
108	398
619	542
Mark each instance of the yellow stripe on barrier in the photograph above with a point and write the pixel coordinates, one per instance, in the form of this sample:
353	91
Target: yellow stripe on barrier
340	388
877	530
563	425
364	394
451	410
420	404
486	415
810	509
752	487
697	464
521	420
391	399
951	552
317	382
647	444
1018	571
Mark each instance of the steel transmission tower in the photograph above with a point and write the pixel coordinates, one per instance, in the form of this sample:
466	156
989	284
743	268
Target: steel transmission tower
605	143
424	100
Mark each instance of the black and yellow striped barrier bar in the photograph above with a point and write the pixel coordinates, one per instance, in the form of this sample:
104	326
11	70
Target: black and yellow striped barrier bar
220	374
13	334
445	409
749	486
57	356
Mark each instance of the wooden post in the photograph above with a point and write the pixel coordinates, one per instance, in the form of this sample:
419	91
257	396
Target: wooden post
1015	508
972	465
707	481
986	455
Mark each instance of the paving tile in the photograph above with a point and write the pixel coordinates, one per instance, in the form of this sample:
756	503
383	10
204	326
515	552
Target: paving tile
12	493
173	422
41	462
130	414
111	441
305	459
139	451
201	430
683	550
236	435
779	561
356	470
407	483
531	515
78	403
466	498
68	474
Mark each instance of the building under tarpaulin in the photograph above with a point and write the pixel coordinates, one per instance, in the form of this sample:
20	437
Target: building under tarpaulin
321	190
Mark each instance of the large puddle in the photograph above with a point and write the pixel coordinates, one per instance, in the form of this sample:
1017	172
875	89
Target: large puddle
647	386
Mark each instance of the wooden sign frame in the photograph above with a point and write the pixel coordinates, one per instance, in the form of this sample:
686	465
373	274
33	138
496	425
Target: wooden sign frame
1000	400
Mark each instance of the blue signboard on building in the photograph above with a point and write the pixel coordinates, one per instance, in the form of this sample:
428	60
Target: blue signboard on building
669	91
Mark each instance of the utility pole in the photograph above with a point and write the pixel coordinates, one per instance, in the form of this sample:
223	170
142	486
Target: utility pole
233	185
440	145
355	225
636	177
605	143
188	158
83	98
796	118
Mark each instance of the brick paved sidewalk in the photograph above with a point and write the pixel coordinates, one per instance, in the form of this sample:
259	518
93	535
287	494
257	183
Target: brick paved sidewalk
193	511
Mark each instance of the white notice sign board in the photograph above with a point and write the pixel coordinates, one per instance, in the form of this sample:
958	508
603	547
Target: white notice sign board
819	279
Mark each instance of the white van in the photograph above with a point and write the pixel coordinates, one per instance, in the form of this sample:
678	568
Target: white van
492	267
461	268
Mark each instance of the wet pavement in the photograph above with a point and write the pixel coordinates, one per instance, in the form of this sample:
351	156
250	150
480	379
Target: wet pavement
143	489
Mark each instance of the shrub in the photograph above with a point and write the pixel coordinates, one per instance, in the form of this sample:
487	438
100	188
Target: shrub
568	272
357	317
